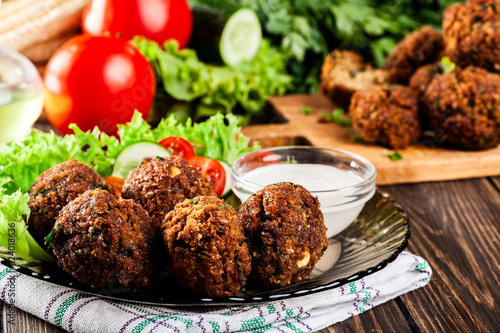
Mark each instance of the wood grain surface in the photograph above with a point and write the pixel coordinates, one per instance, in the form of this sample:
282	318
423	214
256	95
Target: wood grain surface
456	227
421	162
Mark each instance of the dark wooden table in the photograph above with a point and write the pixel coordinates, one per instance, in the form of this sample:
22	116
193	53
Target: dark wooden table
455	226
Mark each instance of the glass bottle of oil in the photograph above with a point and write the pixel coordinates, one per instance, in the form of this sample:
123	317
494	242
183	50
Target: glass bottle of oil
21	95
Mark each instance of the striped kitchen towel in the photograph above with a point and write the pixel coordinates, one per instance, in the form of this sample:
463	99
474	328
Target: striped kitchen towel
76	311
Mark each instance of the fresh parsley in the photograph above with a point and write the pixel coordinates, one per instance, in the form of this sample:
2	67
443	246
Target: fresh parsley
306	110
339	117
395	156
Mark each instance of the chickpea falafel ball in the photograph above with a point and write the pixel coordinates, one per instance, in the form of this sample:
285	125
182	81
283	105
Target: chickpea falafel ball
207	249
101	239
54	189
386	115
463	108
344	72
419	82
420	47
161	183
422	77
286	232
471	32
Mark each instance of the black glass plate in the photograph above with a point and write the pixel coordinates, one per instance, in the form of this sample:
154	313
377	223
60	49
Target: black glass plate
374	239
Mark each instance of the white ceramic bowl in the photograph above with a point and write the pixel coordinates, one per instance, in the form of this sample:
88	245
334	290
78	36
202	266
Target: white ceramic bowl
341	180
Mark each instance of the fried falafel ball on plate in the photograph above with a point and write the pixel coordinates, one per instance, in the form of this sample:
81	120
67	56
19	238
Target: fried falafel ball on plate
54	189
386	115
206	245
344	72
463	108
161	183
420	47
286	232
101	240
471	32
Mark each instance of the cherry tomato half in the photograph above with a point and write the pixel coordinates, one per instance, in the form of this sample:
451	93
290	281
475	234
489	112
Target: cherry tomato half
97	81
212	170
116	184
178	146
158	20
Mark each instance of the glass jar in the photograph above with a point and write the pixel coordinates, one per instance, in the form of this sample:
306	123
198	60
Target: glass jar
21	95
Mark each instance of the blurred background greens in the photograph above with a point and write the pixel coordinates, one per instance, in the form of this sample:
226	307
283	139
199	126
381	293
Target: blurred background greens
297	36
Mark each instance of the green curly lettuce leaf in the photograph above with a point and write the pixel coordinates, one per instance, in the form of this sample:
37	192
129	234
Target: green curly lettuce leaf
14	236
210	89
219	137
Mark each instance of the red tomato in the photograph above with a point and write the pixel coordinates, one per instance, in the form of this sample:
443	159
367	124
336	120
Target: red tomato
212	170
158	20
97	81
178	146
116	184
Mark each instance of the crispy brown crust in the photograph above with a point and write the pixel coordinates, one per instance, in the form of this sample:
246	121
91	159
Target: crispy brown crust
463	108
420	47
206	246
344	72
284	226
101	239
159	184
388	116
54	189
471	33
422	77
419	82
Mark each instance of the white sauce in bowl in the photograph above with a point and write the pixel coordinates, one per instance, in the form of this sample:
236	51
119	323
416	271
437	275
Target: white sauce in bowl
314	177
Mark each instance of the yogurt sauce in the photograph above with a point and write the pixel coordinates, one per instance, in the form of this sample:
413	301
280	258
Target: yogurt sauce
314	177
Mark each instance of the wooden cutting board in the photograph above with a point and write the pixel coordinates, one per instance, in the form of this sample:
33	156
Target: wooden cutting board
420	163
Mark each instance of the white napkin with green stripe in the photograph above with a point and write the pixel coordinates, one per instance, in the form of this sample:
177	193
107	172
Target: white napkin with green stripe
76	311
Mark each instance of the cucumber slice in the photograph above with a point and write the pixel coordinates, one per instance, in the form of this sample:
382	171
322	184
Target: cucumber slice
132	156
224	32
227	188
240	38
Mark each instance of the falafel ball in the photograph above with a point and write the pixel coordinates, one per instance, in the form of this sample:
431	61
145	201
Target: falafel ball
54	189
422	77
344	73
471	32
286	231
386	115
206	246
161	183
463	108
420	47
101	239
419	82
